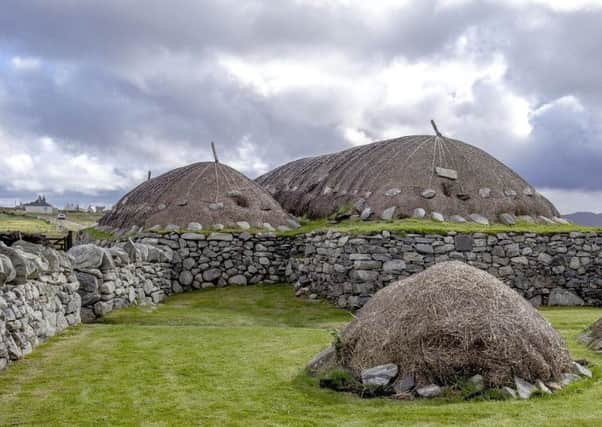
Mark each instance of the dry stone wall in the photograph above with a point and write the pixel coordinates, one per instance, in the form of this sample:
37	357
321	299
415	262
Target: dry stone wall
220	259
125	274
557	269
38	298
43	291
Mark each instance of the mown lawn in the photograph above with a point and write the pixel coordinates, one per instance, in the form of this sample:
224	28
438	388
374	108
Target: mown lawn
27	224
235	356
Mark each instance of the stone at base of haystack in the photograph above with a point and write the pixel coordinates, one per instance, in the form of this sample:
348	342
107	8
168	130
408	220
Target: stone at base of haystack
388	381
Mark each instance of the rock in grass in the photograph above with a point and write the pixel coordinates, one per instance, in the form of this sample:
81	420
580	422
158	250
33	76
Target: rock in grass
477	382
381	375
323	361
437	216
524	388
366	213
428	391
582	370
509	393
457	219
542	387
507	219
568	378
479	219
404	384
388	213
419	213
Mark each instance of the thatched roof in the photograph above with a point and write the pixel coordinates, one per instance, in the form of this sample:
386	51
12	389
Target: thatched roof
397	173
208	193
452	321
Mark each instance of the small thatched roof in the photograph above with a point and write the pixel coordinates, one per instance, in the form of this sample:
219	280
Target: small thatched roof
454	321
399	173
207	193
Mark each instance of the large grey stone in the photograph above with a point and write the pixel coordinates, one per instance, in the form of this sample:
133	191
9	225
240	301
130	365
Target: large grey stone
90	256
568	378
479	219
524	388
394	266
193	236
211	275
563	297
194	226
446	173
226	237
381	375
404	384
507	219
186	278
243	225
323	361
7	271
463	242
582	370
366	213
457	219
429	193
392	192
437	216
388	213
429	391
238	279
419	213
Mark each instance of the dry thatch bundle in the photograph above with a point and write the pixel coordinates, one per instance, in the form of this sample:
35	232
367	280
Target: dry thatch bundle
453	321
207	193
435	173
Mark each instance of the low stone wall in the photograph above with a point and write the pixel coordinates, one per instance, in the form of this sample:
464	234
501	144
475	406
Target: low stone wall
125	274
220	259
557	269
38	298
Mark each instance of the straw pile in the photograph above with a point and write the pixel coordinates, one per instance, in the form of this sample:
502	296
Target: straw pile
450	322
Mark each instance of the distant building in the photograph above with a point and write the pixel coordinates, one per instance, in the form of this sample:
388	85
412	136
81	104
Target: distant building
40	205
71	207
99	209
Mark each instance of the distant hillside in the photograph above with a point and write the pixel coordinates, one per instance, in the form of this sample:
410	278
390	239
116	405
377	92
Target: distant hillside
585	218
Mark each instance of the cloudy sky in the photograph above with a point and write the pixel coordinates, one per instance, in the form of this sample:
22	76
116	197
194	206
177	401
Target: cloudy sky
95	93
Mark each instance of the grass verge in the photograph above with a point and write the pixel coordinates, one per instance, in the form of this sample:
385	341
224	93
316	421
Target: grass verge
235	357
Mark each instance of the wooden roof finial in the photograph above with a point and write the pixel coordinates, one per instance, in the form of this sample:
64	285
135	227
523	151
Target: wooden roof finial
435	128
214	152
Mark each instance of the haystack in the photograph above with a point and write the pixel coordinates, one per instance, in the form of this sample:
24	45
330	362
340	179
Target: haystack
394	178
207	193
453	321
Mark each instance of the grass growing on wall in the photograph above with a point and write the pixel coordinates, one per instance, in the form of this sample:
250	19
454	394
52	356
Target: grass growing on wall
425	226
235	357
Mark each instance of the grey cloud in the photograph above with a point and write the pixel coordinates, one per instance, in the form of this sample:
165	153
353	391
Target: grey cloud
102	111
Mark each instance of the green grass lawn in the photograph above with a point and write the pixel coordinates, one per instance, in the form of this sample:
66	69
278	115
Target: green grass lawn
235	356
27	224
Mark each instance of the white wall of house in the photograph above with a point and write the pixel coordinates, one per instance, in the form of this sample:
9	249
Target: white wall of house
39	209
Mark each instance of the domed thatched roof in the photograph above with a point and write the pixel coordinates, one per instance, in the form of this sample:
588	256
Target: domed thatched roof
435	173
454	321
207	193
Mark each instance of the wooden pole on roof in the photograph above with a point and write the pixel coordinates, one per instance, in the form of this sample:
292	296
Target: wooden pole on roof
214	152
435	127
